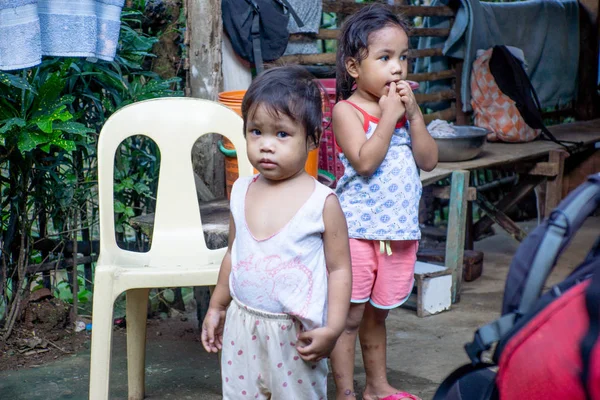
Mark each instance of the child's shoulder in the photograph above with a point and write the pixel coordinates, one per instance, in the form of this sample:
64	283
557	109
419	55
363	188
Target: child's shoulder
346	111
326	190
327	196
244	180
242	183
357	106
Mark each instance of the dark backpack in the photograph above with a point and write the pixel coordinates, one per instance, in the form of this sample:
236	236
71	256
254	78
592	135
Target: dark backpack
258	28
525	312
511	78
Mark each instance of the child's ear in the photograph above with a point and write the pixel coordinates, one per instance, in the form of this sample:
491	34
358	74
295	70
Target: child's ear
352	67
311	143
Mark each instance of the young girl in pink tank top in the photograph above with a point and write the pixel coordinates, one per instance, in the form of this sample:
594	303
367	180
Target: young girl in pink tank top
284	286
384	142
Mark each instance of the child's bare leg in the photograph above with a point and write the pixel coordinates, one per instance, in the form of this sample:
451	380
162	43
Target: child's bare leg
373	342
342	356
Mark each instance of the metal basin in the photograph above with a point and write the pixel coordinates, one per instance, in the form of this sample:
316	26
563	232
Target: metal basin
465	144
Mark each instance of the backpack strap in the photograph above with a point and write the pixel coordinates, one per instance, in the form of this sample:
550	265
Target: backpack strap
256	49
545	131
298	20
256	46
442	391
504	66
590	340
487	335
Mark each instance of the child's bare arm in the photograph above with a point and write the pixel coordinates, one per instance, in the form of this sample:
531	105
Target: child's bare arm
337	258
320	342
212	326
424	148
367	155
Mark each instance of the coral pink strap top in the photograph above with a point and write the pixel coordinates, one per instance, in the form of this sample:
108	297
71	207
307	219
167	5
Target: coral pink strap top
367	119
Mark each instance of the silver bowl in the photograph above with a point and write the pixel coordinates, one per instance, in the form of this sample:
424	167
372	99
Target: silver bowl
464	145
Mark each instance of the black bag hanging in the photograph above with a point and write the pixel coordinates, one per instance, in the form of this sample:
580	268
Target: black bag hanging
258	29
513	81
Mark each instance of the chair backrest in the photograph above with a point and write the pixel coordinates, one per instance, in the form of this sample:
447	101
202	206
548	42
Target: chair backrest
174	124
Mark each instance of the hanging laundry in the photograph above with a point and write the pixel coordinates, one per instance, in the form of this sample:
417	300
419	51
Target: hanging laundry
310	12
30	29
546	30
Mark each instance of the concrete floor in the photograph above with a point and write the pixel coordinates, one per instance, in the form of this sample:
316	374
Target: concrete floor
422	351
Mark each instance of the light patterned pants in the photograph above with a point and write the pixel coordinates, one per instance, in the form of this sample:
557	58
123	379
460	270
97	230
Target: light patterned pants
260	361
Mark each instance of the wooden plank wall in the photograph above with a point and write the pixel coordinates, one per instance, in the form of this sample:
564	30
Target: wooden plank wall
344	8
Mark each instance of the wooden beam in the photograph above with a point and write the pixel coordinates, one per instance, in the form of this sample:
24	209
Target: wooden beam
329	58
432	76
205	81
540	169
577	169
62	264
525	186
449	114
449	94
500	218
558	114
346	7
554	185
55	246
443	192
457	216
329	72
334	34
205	26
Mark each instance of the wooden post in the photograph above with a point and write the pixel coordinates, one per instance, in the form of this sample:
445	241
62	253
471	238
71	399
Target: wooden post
554	185
203	37
205	80
455	242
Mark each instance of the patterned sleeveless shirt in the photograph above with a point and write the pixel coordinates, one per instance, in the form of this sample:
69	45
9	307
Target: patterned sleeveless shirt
285	273
384	206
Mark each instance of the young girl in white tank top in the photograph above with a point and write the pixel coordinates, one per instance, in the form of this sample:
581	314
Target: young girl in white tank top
284	287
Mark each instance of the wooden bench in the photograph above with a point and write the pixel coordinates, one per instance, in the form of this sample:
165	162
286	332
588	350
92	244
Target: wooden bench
538	163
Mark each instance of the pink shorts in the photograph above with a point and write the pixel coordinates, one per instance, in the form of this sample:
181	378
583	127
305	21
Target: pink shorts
384	280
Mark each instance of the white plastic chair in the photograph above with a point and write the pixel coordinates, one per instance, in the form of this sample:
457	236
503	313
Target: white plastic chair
178	255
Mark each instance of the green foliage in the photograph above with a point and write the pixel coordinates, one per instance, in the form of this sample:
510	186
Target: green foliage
35	116
50	118
136	175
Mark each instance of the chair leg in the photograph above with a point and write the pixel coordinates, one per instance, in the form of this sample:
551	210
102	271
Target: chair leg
102	329
136	313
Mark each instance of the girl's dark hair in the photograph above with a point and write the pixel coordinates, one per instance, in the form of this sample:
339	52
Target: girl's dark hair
292	91
354	41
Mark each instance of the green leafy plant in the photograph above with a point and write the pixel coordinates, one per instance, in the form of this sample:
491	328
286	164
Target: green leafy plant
50	117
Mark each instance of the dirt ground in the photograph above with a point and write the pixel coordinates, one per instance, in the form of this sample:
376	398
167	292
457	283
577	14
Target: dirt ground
46	334
421	351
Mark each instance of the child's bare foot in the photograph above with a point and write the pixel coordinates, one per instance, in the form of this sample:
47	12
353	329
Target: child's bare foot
387	393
